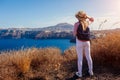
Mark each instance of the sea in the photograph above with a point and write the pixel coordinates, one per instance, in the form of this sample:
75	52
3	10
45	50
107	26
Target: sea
18	44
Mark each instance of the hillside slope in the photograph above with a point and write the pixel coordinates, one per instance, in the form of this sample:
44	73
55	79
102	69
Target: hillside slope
51	64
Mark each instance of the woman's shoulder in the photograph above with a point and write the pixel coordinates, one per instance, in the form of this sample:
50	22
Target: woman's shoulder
77	23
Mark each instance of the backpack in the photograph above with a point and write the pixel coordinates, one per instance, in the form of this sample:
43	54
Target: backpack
83	35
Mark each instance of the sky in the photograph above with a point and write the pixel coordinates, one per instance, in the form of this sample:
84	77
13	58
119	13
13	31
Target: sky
44	13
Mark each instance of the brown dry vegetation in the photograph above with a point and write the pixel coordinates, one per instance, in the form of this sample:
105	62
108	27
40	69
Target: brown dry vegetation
51	64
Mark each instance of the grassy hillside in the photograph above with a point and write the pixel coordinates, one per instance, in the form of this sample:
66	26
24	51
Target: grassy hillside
51	64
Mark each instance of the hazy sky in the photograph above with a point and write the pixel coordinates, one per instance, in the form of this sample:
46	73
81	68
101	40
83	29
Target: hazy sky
43	13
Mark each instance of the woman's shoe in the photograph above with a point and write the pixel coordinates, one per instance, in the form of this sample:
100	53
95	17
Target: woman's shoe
92	76
76	76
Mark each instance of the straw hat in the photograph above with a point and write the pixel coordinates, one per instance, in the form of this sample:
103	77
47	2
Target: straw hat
81	15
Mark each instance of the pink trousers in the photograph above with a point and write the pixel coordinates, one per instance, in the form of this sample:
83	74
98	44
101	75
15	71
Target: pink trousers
80	46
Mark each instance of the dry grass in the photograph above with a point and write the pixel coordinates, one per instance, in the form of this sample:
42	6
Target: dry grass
51	64
106	51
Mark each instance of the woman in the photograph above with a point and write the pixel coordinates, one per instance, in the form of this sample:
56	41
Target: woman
83	43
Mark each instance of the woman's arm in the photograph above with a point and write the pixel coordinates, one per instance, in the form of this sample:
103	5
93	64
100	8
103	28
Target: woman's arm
75	28
91	19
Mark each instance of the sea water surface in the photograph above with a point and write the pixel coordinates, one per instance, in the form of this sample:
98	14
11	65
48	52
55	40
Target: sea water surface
17	44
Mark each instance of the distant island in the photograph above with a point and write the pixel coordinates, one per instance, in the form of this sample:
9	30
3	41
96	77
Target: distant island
59	31
62	30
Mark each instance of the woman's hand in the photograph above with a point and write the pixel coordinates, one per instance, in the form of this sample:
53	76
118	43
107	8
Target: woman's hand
91	19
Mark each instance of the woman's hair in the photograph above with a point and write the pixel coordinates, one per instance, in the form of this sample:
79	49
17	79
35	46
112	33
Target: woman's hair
81	16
